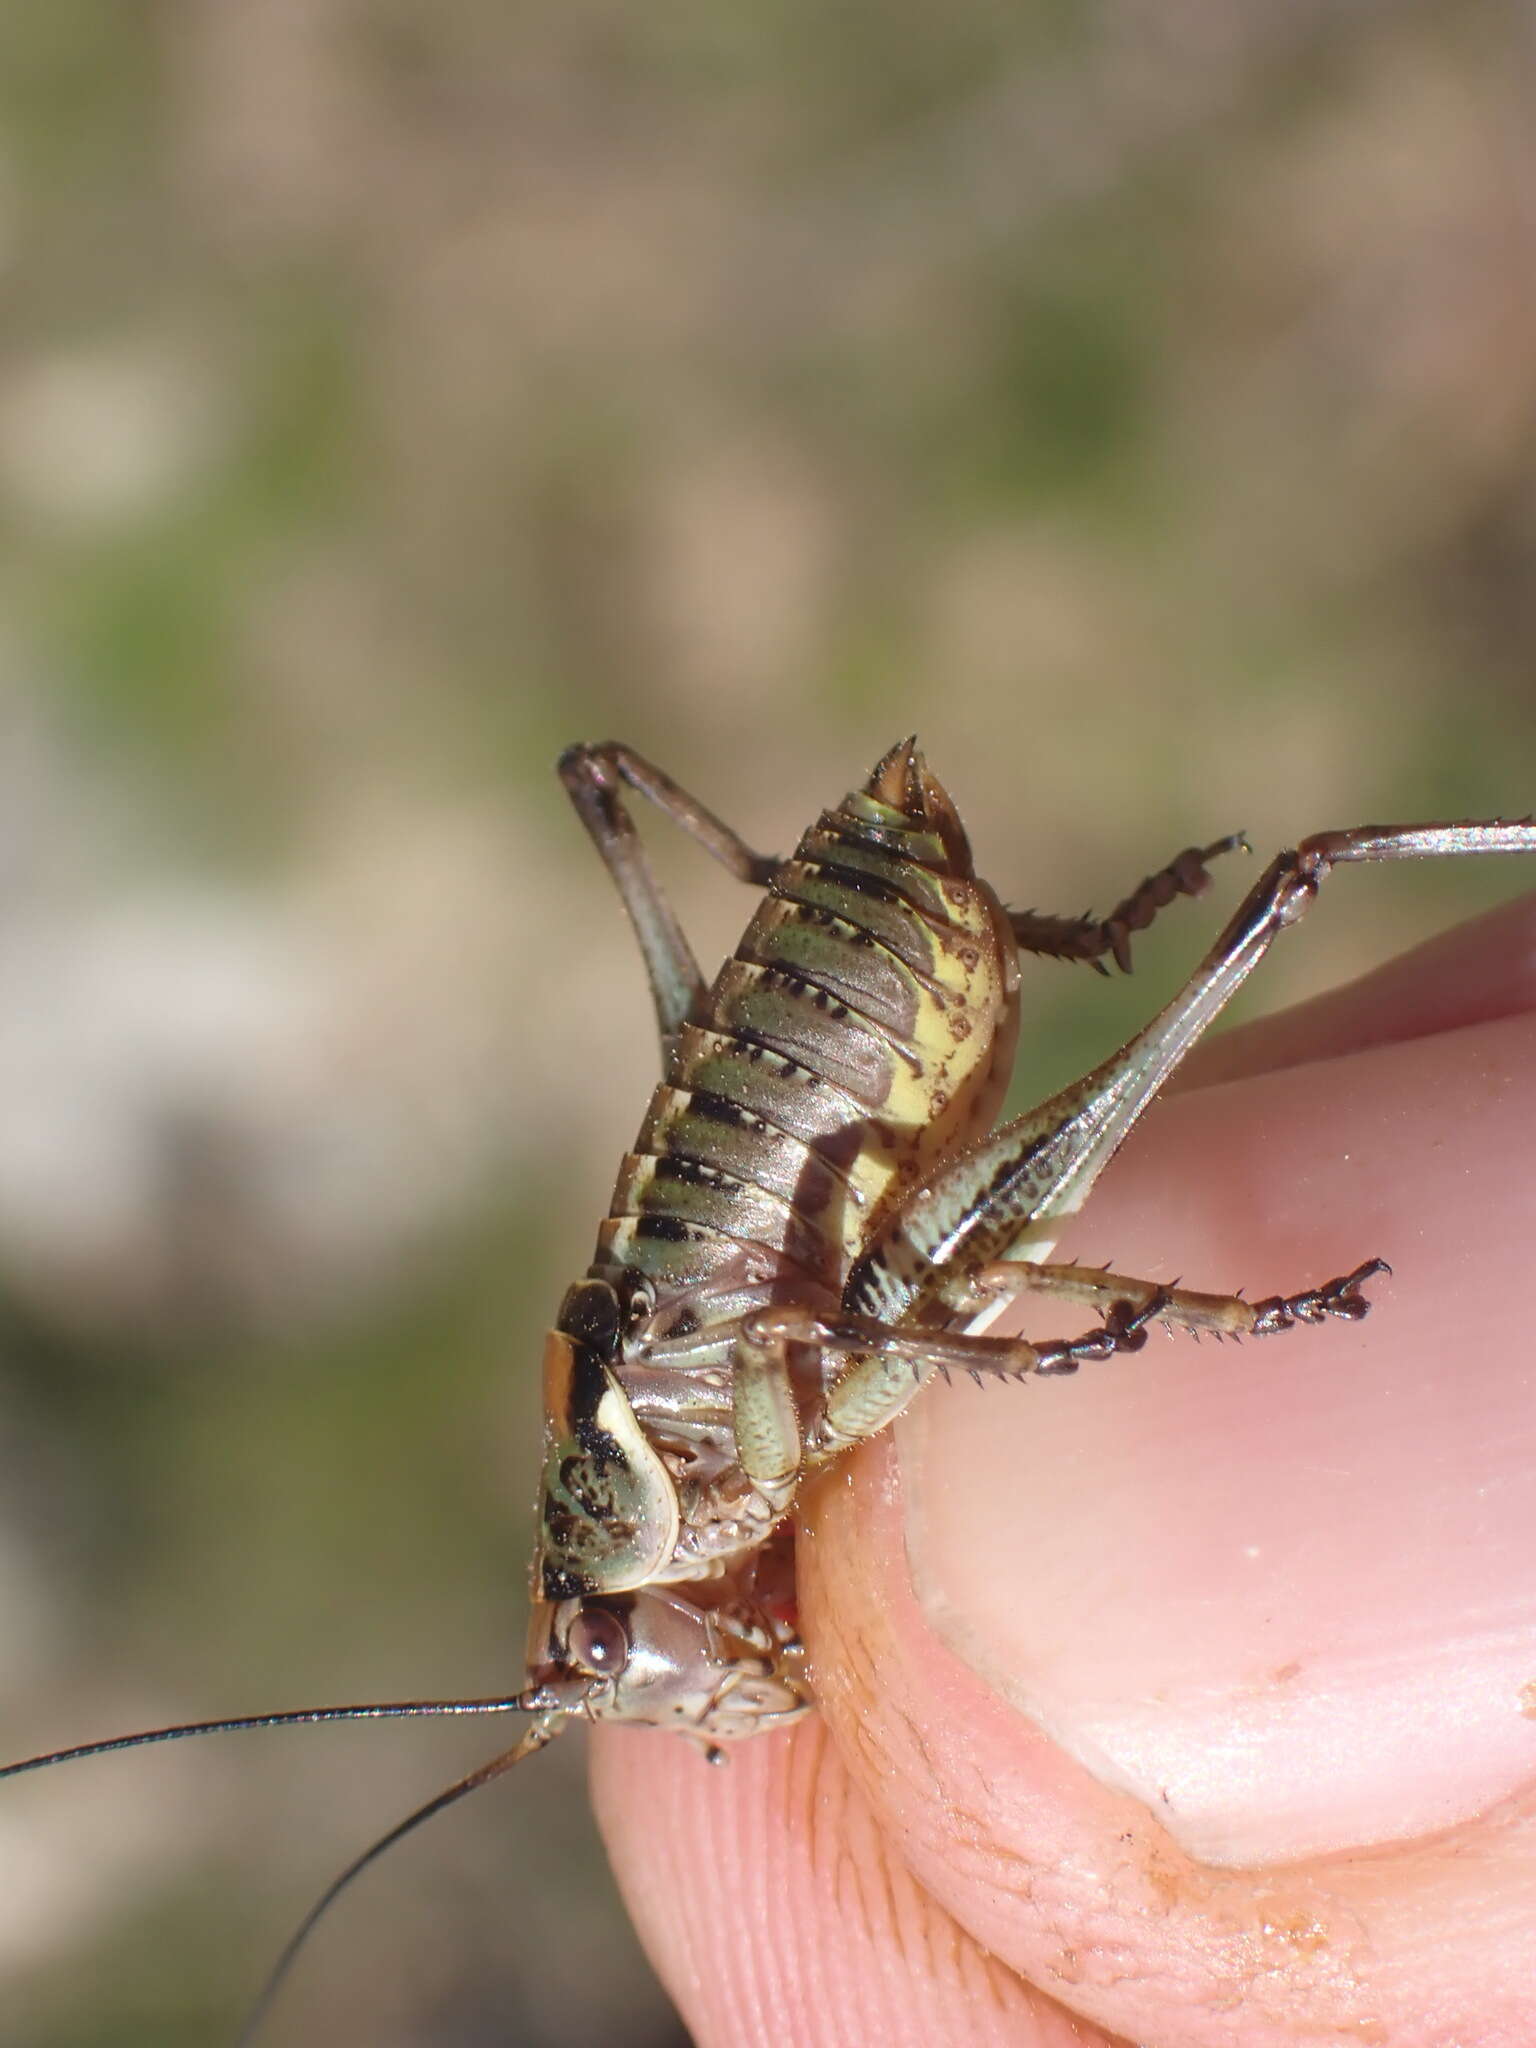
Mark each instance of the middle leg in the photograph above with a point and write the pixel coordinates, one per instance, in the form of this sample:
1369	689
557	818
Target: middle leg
595	776
1090	938
1218	1315
885	1366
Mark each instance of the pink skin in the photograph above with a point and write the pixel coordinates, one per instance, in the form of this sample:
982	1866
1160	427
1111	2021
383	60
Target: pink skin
1198	1691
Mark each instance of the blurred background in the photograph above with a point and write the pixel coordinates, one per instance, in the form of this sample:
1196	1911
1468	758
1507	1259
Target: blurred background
1138	400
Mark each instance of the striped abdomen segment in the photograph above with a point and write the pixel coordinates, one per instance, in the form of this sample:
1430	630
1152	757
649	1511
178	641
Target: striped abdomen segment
856	1031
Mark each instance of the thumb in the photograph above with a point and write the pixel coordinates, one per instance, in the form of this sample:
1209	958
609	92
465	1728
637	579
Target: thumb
1191	1689
1199	1689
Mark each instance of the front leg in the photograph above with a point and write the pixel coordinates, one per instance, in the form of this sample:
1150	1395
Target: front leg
595	776
884	1369
1090	938
765	1414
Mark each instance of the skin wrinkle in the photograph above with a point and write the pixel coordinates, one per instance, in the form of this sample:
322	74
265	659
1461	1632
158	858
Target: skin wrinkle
873	1893
898	1969
775	1998
760	1993
693	1957
871	1882
788	2000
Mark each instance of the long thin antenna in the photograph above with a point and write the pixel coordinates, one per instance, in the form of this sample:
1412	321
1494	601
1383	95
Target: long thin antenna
532	1701
542	1732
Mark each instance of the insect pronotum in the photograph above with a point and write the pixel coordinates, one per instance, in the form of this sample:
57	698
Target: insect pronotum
817	1216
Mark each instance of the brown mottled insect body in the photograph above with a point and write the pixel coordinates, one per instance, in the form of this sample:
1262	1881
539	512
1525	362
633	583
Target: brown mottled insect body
863	1027
817	1202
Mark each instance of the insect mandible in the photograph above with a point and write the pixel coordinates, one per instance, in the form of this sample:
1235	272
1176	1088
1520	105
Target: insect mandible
816	1218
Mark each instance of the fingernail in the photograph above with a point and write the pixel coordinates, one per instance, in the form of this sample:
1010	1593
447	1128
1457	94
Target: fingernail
1282	1593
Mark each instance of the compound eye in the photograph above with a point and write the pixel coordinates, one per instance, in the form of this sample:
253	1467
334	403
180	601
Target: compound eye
598	1642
